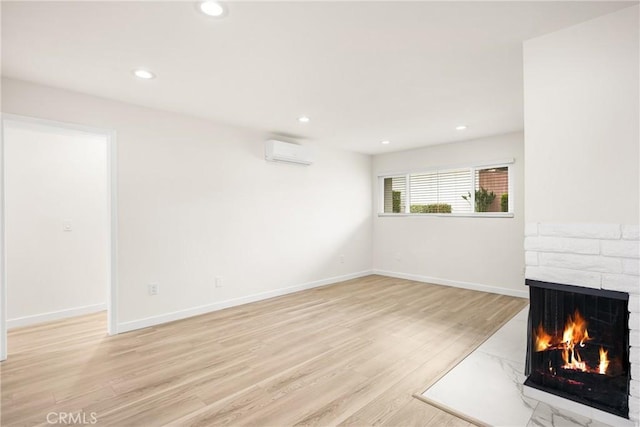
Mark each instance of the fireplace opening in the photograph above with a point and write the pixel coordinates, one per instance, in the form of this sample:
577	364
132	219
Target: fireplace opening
578	345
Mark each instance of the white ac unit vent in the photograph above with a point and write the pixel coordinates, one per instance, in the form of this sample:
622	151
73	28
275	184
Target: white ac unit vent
280	151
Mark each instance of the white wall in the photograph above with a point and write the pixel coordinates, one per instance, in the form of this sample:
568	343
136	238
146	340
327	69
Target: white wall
54	178
583	167
479	253
581	122
196	200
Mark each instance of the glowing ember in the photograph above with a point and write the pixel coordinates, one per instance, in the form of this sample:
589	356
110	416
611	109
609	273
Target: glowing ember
574	337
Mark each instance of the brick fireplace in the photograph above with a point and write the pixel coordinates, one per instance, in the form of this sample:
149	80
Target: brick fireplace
593	256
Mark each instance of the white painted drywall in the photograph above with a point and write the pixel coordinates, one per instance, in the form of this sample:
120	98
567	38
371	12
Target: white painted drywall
197	200
581	122
55	178
582	146
481	253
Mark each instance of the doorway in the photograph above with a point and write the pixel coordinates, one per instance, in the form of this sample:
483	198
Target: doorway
58	223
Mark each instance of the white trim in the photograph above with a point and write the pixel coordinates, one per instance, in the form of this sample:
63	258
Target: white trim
3	254
472	193
511	202
455	283
54	123
380	194
55	315
112	305
446	168
454	215
112	204
208	308
407	194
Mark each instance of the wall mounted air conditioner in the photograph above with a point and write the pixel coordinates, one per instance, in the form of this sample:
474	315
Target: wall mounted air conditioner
280	151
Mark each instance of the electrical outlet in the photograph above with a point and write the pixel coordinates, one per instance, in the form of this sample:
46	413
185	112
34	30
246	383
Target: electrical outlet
342	259
153	289
398	257
218	282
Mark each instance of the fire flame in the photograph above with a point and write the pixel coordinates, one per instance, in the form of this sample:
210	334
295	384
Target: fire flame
604	361
574	337
543	339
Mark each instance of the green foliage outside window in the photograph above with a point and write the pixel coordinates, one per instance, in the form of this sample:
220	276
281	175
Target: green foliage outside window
396	197
484	199
431	208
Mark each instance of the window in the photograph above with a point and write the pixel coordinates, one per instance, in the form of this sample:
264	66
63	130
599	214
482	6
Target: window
395	191
480	191
492	190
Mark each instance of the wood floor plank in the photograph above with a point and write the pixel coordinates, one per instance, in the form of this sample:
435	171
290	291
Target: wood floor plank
352	353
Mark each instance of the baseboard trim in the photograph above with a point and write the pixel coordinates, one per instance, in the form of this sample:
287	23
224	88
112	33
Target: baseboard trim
208	308
54	315
454	283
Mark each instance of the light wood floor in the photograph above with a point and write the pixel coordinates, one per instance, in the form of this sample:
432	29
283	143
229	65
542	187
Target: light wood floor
350	354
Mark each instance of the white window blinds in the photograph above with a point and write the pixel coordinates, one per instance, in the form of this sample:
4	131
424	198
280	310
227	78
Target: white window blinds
440	191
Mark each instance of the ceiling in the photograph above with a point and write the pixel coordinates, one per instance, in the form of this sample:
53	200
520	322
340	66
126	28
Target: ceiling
408	72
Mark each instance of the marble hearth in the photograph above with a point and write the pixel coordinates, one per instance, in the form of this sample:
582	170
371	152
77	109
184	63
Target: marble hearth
486	387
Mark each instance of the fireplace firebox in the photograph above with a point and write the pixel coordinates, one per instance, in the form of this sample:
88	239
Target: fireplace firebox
578	345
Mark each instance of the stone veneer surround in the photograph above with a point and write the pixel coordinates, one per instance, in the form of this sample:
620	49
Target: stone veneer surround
600	256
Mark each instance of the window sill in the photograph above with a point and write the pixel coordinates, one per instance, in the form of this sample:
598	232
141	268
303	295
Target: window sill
455	215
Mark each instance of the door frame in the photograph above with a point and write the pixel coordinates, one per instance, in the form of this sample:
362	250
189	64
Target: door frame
112	224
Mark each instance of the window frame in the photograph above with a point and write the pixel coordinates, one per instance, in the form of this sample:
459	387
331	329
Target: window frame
508	163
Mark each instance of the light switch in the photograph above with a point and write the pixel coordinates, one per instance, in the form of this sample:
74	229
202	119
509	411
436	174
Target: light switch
66	226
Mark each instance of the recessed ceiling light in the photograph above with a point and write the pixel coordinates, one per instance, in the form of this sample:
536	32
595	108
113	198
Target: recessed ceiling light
144	74
213	8
304	119
385	142
461	127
